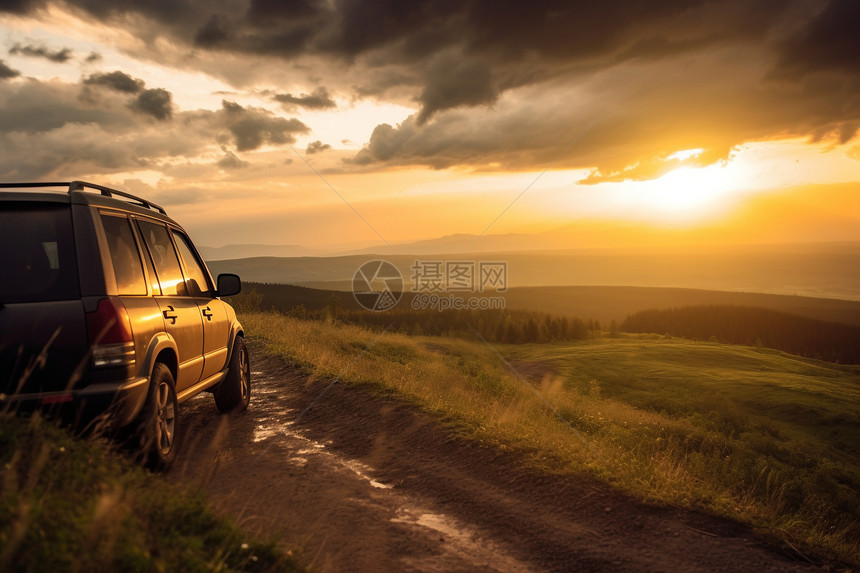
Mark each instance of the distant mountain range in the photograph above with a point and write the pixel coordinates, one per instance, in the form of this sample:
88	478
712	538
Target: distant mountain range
830	270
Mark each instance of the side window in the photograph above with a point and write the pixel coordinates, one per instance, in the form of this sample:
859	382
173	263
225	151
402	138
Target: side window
197	283
164	258
123	252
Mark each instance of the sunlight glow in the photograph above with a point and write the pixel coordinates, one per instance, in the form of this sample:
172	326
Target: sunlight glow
688	188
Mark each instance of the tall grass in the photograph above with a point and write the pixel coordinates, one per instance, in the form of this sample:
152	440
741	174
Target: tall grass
72	505
762	437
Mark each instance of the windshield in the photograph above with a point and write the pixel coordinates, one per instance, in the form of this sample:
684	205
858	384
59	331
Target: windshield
37	260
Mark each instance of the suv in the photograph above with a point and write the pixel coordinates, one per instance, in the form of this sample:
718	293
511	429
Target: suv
109	317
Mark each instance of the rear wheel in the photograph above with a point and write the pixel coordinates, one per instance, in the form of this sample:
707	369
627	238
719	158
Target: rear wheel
233	394
158	430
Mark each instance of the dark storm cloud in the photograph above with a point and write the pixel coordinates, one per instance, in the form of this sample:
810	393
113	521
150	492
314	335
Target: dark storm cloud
157	103
50	129
34	107
453	139
830	42
466	53
665	88
252	127
666	75
119	81
160	10
60	56
623	124
318	99
19	6
499	33
454	82
215	32
6	72
269	11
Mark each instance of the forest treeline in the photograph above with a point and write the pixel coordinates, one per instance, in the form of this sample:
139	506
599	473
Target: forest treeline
495	325
753	326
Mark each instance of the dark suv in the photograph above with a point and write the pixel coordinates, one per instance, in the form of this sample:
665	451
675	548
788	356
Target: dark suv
109	316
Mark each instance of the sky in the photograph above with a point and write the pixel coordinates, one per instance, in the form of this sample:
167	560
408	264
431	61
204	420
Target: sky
340	124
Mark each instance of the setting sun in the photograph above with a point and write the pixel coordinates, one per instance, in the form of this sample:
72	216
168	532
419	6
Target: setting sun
690	192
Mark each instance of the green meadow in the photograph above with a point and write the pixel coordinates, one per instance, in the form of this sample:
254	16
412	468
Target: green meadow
771	438
763	437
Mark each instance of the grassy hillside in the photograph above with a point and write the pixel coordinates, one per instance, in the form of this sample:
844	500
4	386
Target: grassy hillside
71	505
757	435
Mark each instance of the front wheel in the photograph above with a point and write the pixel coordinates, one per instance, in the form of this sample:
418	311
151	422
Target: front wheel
158	429
233	393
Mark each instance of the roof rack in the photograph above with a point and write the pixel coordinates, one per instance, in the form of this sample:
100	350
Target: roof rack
83	185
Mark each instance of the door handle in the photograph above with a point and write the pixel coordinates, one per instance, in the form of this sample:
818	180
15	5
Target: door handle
207	312
170	317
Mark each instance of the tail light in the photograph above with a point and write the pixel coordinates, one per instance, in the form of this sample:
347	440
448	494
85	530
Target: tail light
110	335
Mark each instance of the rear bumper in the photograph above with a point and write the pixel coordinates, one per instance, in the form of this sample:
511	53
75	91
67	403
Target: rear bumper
117	404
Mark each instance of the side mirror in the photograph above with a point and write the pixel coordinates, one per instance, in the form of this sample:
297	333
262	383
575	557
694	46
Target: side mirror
229	284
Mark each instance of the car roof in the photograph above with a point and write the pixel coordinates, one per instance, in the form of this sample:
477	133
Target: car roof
82	193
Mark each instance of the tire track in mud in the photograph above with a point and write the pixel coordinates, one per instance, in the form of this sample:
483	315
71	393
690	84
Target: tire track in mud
365	483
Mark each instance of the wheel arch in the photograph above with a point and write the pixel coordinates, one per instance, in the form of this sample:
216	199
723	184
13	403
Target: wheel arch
235	330
162	348
168	357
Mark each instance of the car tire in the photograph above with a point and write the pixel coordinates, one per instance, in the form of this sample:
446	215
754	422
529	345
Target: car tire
233	394
158	429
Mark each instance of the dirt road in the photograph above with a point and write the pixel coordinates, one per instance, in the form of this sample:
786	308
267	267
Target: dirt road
364	483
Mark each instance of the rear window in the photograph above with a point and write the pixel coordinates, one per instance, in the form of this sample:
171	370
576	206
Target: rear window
37	253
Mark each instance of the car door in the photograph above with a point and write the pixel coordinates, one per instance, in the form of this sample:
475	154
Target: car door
131	281
182	318
216	325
